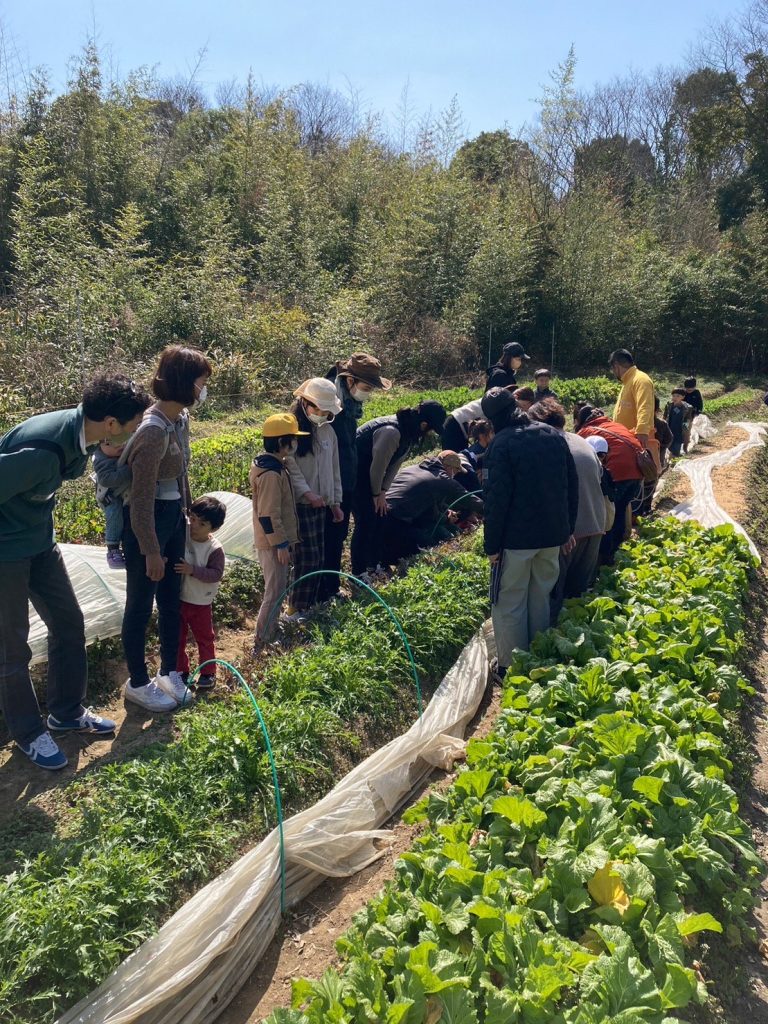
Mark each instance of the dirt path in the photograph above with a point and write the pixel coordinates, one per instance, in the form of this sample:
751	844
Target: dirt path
742	972
37	794
305	945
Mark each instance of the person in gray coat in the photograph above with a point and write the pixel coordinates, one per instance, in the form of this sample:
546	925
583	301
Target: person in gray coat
578	566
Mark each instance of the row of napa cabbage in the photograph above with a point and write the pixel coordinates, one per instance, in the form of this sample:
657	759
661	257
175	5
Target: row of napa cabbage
567	874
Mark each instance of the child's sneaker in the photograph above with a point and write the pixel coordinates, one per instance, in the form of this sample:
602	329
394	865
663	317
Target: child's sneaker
293	616
115	558
206	682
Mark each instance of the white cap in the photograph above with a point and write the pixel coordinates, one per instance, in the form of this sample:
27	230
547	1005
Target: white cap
598	443
320	392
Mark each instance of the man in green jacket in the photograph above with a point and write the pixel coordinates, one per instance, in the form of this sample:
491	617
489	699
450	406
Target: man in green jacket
35	458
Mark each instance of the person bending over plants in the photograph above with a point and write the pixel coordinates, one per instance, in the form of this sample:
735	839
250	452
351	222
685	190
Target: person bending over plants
382	447
316	480
623	451
419	506
35	458
531	502
154	532
275	523
201	569
578	567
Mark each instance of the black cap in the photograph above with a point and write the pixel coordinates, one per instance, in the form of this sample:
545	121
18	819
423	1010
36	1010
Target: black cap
496	401
514	348
433	413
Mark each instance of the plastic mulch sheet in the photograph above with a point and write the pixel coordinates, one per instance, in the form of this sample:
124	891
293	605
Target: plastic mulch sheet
703	506
193	967
100	590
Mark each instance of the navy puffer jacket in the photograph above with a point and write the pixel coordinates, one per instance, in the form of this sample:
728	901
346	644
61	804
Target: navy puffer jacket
531	490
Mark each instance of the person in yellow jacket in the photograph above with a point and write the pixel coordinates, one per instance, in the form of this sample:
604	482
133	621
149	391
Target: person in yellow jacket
635	407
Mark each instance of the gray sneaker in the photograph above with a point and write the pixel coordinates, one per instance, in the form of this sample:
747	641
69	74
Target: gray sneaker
174	686
151	697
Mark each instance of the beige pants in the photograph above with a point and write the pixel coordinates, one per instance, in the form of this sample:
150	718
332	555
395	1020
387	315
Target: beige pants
528	577
275	582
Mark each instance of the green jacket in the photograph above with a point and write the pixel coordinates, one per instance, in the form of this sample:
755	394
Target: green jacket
35	457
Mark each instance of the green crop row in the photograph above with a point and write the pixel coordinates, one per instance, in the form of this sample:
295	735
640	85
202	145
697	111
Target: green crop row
732	400
568	873
598	391
136	837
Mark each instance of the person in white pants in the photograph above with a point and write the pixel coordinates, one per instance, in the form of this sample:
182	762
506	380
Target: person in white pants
531	499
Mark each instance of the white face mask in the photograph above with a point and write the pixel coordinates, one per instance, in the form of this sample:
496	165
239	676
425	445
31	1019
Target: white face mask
292	448
315	417
203	395
361	396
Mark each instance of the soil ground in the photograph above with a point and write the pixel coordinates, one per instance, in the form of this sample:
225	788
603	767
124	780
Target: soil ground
22	786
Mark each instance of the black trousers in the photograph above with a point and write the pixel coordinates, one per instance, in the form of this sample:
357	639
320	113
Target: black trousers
141	592
400	539
335	536
452	436
366	536
626	492
43	580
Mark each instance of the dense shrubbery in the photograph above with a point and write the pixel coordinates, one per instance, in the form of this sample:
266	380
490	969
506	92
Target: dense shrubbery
133	213
568	872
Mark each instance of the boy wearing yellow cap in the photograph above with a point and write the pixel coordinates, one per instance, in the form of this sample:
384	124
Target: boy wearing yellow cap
275	524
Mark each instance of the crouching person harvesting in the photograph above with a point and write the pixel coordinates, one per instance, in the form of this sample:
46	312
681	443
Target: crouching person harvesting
35	458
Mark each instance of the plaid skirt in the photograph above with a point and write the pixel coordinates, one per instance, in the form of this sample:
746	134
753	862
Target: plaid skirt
308	556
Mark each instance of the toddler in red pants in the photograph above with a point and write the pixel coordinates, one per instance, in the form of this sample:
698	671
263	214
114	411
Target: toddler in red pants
202	570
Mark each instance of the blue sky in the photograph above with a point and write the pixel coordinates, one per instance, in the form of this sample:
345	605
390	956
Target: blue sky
493	54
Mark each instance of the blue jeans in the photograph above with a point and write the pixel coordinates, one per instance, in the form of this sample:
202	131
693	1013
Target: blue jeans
141	592
43	580
113	514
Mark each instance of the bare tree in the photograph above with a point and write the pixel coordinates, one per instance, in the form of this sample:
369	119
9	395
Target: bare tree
404	119
324	115
450	131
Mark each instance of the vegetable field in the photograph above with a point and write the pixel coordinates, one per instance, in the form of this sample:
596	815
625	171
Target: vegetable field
137	836
571	871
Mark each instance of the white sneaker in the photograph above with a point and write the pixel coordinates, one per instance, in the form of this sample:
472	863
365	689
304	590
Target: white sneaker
296	618
173	684
151	697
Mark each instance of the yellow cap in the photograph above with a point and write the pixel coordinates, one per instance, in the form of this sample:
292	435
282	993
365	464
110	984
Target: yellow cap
281	424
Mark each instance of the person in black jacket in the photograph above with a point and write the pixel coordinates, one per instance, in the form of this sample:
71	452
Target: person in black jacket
418	504
382	446
543	390
356	379
531	498
502	373
693	396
